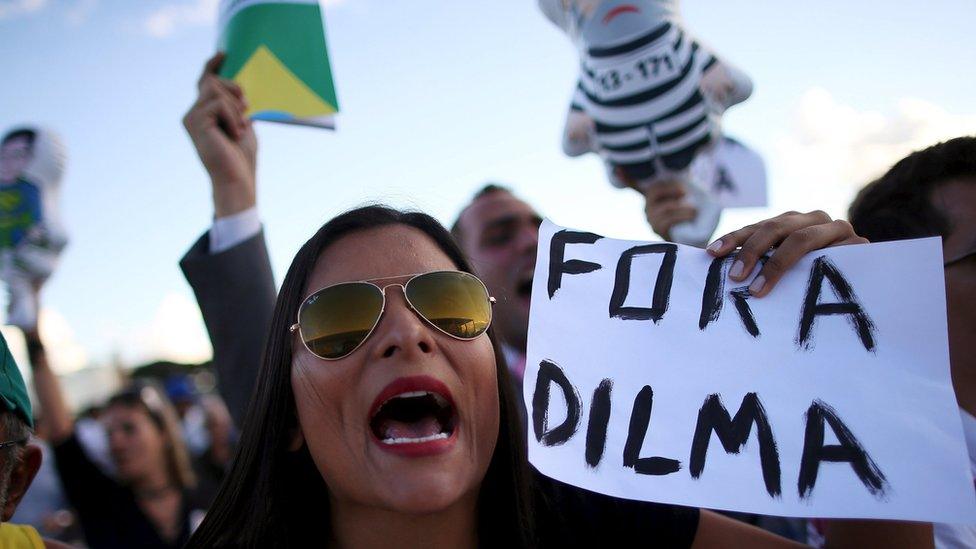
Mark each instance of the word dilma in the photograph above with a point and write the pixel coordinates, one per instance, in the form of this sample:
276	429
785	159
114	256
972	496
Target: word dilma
731	431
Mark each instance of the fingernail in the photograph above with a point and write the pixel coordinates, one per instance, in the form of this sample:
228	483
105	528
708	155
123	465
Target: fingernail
757	285
737	269
715	246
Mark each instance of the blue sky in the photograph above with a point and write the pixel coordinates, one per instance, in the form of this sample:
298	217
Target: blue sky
437	98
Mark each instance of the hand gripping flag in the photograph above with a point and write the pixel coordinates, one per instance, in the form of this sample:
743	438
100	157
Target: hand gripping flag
276	52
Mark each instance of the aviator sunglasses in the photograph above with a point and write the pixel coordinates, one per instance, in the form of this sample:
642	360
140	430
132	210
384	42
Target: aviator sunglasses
336	320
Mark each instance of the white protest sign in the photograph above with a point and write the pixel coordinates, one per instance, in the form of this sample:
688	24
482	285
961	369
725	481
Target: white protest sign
652	376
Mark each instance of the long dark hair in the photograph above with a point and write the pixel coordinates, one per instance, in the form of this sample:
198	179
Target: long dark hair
273	497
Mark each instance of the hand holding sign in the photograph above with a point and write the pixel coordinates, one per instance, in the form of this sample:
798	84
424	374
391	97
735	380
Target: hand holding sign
650	376
794	234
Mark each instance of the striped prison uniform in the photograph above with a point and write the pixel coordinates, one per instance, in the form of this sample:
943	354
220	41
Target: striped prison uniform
644	97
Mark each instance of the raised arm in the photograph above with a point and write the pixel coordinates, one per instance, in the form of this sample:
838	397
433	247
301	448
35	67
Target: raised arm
48	388
228	267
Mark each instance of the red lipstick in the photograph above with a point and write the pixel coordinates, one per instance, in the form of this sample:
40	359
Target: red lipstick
397	429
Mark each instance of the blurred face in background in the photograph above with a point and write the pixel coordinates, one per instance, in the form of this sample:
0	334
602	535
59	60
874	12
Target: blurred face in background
136	443
15	155
500	234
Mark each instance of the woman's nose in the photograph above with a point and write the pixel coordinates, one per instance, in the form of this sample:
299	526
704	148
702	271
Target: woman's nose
401	332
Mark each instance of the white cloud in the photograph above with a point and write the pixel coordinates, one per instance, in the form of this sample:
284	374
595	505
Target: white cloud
75	12
68	358
168	18
80	11
13	8
834	149
64	352
176	332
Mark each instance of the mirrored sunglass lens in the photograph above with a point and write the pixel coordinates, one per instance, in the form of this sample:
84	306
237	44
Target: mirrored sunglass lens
455	302
334	321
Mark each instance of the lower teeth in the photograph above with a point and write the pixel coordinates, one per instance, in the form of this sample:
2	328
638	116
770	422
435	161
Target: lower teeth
428	438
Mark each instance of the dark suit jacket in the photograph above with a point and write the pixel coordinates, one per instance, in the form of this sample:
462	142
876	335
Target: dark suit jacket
236	294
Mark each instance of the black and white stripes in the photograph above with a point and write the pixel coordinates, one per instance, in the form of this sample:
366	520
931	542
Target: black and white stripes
644	97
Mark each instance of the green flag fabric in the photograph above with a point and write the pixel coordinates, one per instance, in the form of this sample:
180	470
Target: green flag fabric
276	52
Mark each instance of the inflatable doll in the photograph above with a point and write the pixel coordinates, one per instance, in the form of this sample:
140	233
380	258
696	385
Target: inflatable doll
649	99
31	236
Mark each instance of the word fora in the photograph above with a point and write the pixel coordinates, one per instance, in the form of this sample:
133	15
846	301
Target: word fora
713	417
714	294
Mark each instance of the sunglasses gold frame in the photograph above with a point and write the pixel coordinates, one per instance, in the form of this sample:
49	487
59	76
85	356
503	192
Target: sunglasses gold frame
296	327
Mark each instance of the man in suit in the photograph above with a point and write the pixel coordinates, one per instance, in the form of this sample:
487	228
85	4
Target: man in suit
228	267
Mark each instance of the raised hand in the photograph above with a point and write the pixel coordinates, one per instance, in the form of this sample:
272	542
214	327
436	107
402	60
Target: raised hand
224	139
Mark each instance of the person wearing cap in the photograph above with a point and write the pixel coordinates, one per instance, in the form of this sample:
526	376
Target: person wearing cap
19	460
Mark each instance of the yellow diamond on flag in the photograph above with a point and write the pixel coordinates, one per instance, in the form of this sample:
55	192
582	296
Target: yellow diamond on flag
288	90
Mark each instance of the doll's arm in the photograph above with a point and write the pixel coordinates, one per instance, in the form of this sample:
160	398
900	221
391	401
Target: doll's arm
578	137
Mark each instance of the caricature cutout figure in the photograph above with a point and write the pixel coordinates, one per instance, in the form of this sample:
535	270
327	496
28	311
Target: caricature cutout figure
31	236
649	99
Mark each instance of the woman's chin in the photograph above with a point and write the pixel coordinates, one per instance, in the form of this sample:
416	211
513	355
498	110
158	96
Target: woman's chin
424	494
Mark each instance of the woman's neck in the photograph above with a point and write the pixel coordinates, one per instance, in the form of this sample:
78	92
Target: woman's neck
355	526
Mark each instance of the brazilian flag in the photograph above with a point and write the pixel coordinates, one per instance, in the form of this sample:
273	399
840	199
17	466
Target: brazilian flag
276	52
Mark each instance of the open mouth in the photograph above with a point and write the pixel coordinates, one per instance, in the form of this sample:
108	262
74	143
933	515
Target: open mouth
414	417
